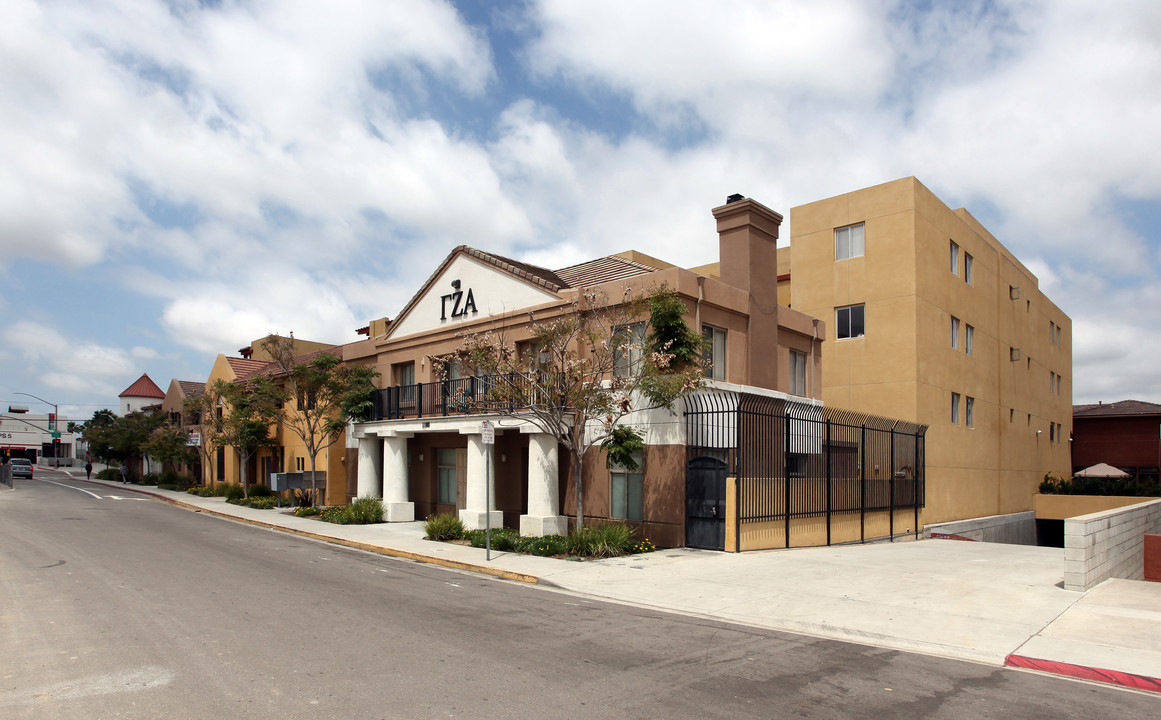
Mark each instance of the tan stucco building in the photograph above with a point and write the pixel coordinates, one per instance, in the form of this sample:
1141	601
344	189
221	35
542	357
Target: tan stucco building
930	319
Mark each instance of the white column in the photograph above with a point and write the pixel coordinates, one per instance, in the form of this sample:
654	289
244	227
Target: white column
476	507
370	483
396	507
543	489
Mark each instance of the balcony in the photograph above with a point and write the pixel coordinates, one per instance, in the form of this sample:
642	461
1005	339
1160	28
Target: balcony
463	396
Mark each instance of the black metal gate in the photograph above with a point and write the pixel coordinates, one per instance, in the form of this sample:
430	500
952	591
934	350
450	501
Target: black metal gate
705	503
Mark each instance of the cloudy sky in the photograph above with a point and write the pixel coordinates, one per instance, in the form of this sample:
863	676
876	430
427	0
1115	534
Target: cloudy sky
179	178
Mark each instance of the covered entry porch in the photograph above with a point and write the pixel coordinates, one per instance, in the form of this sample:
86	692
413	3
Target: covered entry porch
424	466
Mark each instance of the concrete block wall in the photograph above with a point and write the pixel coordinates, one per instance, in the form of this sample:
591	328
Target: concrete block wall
1109	544
1013	529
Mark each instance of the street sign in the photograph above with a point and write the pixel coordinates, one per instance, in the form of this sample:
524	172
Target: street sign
489	433
56	434
194	440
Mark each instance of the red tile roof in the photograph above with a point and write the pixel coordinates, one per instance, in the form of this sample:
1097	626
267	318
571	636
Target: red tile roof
191	388
1121	407
143	388
244	368
602	270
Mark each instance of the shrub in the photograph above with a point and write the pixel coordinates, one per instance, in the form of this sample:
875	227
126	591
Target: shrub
546	546
205	491
443	526
234	492
259	503
502	538
109	474
336	515
307	511
609	540
260	490
365	511
303	498
149	479
1098	486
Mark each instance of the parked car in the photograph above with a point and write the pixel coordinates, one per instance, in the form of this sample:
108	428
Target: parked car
21	467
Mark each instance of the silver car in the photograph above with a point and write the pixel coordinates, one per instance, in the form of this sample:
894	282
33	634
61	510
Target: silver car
21	467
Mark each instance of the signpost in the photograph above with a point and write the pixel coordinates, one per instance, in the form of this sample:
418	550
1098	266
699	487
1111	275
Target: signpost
489	434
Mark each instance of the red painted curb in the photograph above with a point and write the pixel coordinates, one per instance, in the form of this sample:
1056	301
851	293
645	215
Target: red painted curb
1112	677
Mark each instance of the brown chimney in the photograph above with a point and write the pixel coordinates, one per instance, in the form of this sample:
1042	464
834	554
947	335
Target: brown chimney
748	260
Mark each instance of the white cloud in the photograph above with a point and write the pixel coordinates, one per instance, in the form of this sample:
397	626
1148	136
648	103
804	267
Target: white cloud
62	363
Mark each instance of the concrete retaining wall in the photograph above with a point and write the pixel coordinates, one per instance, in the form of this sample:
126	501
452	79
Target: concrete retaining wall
1109	544
1013	529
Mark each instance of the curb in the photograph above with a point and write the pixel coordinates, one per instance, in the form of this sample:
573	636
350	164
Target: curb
1083	672
379	549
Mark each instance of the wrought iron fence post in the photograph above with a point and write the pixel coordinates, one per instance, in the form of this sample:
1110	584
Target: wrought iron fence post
786	470
863	484
829	452
891	467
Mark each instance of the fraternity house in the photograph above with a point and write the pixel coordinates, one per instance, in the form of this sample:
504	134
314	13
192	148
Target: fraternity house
424	452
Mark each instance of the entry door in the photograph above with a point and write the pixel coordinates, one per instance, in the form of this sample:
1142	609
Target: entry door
705	503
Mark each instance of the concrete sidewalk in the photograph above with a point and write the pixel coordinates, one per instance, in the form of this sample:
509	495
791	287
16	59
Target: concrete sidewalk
989	603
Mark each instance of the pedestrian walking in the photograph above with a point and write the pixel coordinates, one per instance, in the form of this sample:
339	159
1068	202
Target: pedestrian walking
124	475
88	471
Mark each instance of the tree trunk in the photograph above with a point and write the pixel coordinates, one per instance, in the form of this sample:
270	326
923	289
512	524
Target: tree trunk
313	484
579	464
242	462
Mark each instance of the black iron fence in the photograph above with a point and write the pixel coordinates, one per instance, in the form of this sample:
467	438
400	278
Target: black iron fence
461	396
795	460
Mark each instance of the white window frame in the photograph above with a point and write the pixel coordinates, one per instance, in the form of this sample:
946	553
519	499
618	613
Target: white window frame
627	491
714	367
849	325
850	242
797	373
630	350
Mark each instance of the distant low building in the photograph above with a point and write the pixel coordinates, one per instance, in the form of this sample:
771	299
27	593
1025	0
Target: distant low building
1125	434
141	394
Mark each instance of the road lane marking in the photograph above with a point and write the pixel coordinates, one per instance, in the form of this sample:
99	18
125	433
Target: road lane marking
144	678
70	487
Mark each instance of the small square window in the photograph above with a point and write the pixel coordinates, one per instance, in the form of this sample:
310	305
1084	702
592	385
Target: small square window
849	242
850	322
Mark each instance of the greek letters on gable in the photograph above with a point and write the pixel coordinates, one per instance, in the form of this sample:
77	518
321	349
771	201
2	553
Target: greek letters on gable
460	305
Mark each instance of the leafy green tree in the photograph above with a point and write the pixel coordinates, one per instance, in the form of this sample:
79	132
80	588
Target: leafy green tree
324	393
587	369
170	444
251	407
201	413
120	439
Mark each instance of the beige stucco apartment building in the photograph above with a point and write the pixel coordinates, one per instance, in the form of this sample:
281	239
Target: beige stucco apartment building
930	319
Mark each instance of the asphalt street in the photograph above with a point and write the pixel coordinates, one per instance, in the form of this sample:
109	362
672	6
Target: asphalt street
119	606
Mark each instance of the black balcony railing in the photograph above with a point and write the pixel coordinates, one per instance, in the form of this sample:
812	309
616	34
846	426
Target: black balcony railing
463	396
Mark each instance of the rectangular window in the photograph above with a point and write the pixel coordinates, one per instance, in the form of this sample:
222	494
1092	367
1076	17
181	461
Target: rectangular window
955	408
1057	384
1051	332
967	267
1058	336
797	373
954	333
446	471
714	359
969	334
627	491
849	242
1051	382
954	258
969	405
628	349
1052	433
849	322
